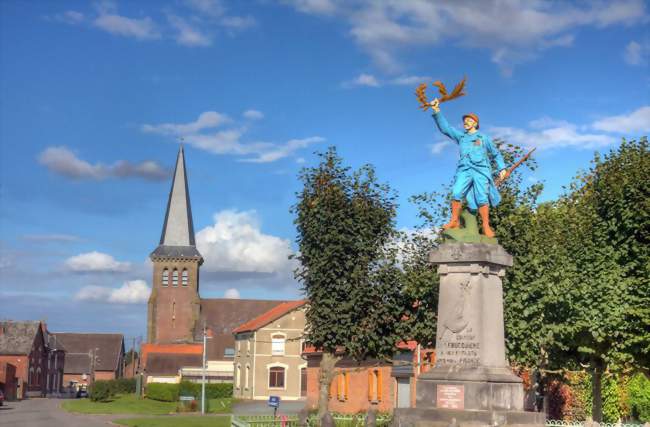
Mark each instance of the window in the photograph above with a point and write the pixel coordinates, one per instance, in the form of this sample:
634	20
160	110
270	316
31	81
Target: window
342	386
248	347
276	377
175	278
238	377
229	352
184	277
165	278
374	385
248	373
277	345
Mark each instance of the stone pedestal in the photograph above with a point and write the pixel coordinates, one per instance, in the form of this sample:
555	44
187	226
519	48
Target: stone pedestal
471	382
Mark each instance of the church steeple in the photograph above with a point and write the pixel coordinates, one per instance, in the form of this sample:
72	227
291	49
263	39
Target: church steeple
177	237
174	303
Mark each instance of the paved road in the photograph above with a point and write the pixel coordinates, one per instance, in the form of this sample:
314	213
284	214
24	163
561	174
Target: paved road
46	413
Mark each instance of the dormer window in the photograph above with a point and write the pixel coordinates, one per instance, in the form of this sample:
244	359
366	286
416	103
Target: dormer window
185	277
175	278
165	277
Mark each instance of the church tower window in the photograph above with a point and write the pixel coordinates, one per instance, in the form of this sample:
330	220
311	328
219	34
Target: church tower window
175	278
185	277
165	277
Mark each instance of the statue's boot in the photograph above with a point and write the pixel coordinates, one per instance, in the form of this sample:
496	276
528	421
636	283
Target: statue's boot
484	211
455	215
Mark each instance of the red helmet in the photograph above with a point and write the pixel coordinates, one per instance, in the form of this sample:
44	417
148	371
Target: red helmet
473	117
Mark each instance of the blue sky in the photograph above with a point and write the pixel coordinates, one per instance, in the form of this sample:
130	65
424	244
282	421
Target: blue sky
95	97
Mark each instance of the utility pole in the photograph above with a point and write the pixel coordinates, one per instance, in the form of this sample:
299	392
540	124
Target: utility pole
205	339
133	358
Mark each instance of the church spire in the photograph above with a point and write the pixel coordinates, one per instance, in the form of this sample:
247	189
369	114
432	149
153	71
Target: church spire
177	237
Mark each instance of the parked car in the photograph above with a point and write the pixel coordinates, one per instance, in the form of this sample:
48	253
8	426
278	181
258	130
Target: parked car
2	398
82	392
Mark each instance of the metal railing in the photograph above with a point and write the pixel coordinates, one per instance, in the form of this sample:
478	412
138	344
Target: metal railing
340	420
562	423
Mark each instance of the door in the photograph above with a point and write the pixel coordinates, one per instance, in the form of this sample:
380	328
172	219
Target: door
403	392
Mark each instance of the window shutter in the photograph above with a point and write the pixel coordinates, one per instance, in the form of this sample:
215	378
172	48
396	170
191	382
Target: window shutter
332	385
379	383
370	385
347	385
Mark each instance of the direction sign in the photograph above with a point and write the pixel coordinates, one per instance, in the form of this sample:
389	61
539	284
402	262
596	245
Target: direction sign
274	401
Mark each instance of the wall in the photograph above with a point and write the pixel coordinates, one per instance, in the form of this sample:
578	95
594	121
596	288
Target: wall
244	348
8	380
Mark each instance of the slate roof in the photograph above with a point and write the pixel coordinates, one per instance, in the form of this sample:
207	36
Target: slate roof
170	363
17	337
177	237
222	316
78	345
269	316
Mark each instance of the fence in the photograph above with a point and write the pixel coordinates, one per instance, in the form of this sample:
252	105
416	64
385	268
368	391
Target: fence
292	421
560	423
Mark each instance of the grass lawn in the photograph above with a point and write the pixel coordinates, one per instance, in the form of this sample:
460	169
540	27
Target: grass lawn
130	404
181	420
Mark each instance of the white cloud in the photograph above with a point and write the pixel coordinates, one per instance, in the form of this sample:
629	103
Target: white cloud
554	137
637	53
188	35
206	120
228	141
235	243
384	27
636	121
51	237
63	161
141	29
280	151
363	80
237	23
253	115
232	293
410	80
71	17
131	292
438	147
207	7
95	262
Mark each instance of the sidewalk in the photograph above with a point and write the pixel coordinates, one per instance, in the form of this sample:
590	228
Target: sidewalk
260	407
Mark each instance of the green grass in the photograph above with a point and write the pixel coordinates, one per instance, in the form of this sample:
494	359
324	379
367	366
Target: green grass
175	421
130	404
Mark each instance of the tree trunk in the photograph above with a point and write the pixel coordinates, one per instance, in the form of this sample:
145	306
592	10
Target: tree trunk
327	364
596	391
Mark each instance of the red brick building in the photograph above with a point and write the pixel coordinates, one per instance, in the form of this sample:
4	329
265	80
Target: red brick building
8	380
108	352
22	344
371	384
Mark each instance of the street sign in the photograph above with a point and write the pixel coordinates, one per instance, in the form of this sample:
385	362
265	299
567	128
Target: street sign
274	401
188	398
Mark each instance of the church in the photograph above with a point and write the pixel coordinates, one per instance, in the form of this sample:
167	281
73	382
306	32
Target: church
177	316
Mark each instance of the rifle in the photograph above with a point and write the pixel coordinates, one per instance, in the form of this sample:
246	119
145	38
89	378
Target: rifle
511	169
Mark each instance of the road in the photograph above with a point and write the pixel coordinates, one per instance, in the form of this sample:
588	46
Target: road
46	413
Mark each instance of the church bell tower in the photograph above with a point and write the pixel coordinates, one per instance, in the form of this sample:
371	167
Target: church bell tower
174	304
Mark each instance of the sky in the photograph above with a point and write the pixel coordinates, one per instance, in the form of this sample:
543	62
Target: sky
96	96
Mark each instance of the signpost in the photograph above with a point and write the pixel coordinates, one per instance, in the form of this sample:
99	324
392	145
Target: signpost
274	402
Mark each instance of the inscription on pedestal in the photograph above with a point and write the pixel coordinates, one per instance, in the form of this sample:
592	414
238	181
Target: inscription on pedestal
450	396
459	349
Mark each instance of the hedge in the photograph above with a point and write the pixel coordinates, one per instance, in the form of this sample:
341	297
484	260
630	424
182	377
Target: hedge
639	397
163	392
171	392
101	391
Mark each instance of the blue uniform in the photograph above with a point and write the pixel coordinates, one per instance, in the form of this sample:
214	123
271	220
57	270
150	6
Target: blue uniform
473	179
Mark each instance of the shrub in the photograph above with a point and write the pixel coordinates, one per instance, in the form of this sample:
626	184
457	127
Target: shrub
163	392
611	400
123	385
101	391
639	397
212	391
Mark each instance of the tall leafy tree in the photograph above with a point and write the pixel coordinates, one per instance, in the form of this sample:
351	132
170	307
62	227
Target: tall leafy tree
348	267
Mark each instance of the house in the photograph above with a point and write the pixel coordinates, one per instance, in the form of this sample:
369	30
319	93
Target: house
8	380
268	354
177	316
23	346
91	356
370	384
55	365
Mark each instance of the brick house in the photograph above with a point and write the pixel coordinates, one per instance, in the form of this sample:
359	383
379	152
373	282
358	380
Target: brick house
8	380
370	384
55	365
108	350
22	344
268	354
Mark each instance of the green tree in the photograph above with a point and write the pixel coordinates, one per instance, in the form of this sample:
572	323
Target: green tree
348	266
608	237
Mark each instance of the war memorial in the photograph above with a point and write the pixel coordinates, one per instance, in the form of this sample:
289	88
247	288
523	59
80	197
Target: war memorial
471	382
